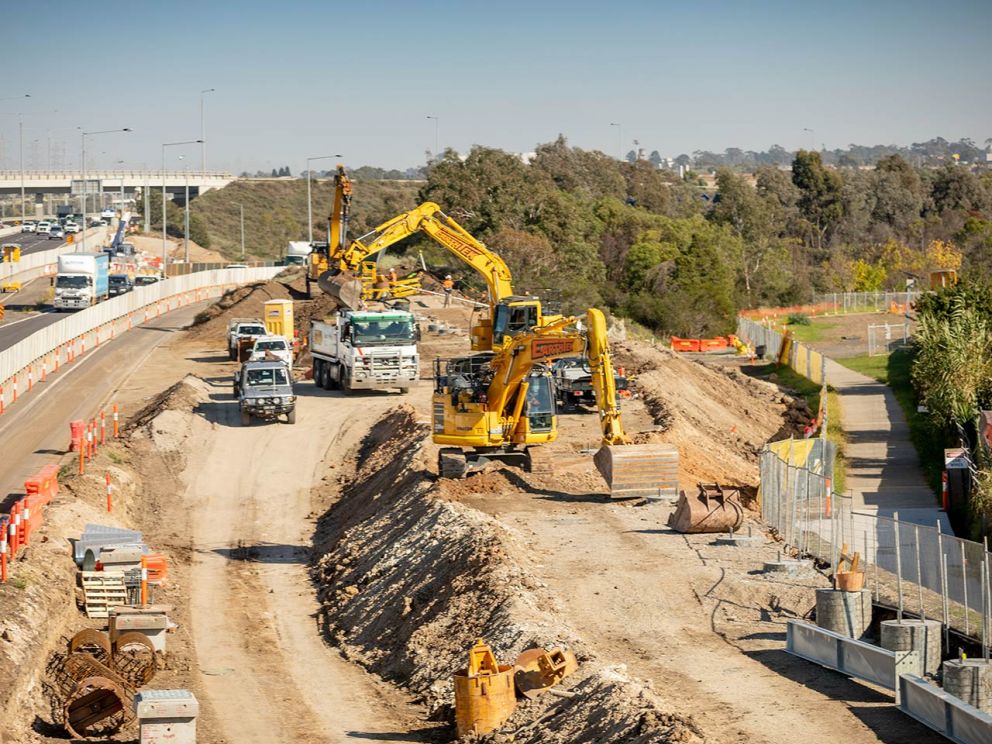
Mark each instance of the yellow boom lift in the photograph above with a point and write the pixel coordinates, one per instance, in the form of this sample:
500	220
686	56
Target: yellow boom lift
501	406
508	313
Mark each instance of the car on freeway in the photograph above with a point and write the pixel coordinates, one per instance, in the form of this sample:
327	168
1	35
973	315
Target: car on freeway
120	284
56	232
28	226
71	228
144	279
236	266
43	227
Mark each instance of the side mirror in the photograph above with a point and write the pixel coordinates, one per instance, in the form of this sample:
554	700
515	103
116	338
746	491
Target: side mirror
417	332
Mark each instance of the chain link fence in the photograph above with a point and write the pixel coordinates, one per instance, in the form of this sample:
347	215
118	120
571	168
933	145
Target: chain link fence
917	568
865	302
884	338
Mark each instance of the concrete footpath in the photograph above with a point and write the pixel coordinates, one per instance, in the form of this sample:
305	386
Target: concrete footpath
883	470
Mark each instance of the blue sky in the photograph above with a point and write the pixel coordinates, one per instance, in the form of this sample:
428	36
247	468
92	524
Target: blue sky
300	79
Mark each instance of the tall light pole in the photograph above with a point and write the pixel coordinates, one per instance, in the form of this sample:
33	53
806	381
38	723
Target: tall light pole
242	208
186	214
437	139
82	162
619	127
812	138
121	164
309	200
203	134
165	253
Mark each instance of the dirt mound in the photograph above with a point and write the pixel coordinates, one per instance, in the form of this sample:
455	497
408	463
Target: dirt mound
409	577
247	301
719	418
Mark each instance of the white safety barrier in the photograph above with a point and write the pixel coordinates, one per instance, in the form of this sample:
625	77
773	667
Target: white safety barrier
942	712
31	360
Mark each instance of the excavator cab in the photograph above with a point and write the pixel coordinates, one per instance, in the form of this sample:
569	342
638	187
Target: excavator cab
539	403
511	317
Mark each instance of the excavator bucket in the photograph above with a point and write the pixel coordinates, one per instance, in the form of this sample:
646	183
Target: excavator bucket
711	510
639	470
537	670
344	287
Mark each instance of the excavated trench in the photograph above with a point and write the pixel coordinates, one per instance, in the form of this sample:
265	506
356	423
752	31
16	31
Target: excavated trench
409	578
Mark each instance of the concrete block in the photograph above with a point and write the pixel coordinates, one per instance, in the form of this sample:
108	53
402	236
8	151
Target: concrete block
150	622
924	637
845	613
166	716
969	680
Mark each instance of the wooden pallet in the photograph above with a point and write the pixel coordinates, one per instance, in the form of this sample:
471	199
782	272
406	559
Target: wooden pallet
103	590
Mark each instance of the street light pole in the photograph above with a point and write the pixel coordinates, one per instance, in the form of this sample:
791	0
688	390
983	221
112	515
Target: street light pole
619	127
309	200
20	145
203	134
812	138
82	164
242	208
165	253
437	140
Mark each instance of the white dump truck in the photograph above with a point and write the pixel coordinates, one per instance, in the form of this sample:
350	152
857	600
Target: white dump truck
297	252
365	350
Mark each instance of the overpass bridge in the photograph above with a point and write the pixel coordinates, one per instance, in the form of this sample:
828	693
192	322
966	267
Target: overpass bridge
44	189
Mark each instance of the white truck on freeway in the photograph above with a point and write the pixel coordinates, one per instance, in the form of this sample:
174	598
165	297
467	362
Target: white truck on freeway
82	280
365	350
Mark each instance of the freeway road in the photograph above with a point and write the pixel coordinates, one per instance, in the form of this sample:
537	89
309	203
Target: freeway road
35	430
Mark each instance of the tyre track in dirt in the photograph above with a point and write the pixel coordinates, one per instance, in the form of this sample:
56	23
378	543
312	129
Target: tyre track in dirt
264	666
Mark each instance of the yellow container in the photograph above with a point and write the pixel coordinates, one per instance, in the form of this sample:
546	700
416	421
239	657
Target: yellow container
279	318
484	694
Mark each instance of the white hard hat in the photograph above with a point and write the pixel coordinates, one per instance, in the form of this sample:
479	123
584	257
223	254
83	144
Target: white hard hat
447	276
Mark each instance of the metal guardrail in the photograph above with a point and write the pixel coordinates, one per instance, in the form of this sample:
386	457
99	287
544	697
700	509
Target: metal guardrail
851	657
944	713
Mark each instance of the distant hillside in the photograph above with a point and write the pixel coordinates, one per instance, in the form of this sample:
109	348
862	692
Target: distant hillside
276	212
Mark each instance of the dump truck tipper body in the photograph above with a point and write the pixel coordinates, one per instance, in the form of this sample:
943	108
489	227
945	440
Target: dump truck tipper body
82	280
365	350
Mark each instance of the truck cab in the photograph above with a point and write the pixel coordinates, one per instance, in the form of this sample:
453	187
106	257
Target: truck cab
269	347
264	390
366	350
239	328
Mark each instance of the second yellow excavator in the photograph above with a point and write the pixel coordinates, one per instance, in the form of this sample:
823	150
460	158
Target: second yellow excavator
347	276
501	406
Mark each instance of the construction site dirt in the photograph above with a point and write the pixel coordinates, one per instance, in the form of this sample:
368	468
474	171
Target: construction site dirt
327	584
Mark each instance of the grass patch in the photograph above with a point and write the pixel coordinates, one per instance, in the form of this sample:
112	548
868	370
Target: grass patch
811	332
895	370
116	457
19	582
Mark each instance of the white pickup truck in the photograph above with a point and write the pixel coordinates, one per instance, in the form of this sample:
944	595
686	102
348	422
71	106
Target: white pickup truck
242	328
366	350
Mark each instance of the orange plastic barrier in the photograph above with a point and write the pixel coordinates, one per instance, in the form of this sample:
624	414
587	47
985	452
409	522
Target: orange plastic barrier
157	565
77	430
685	344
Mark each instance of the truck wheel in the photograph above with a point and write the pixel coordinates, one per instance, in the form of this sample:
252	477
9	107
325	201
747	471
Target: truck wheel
315	372
309	295
404	390
346	382
327	380
333	377
291	417
231	353
245	419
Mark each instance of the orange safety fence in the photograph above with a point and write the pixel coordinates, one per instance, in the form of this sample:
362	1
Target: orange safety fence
718	343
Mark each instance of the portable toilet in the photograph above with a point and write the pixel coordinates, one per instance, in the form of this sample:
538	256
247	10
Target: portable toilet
279	318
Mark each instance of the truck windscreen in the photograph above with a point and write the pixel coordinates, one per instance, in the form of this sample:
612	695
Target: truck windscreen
72	282
267	377
372	332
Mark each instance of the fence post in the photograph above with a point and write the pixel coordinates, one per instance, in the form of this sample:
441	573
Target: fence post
964	582
919	573
898	566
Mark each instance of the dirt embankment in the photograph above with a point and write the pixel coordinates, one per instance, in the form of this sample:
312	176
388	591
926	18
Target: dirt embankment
718	417
409	578
42	605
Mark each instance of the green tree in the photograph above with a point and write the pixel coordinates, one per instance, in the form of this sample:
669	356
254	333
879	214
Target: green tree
956	189
898	193
820	194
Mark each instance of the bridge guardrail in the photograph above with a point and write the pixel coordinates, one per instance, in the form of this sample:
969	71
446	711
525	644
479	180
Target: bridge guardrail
30	360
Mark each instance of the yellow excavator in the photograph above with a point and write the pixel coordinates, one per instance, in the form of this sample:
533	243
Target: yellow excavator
501	406
347	277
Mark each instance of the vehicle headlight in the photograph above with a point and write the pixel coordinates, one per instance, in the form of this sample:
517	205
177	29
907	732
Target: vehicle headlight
278	401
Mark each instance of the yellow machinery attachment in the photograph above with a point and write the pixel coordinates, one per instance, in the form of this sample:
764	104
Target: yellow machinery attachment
484	695
537	670
711	510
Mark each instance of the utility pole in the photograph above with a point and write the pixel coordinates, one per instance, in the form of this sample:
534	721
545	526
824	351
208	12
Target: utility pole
242	208
203	134
437	138
619	127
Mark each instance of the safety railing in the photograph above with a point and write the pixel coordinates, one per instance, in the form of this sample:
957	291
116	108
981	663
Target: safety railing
917	568
32	359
